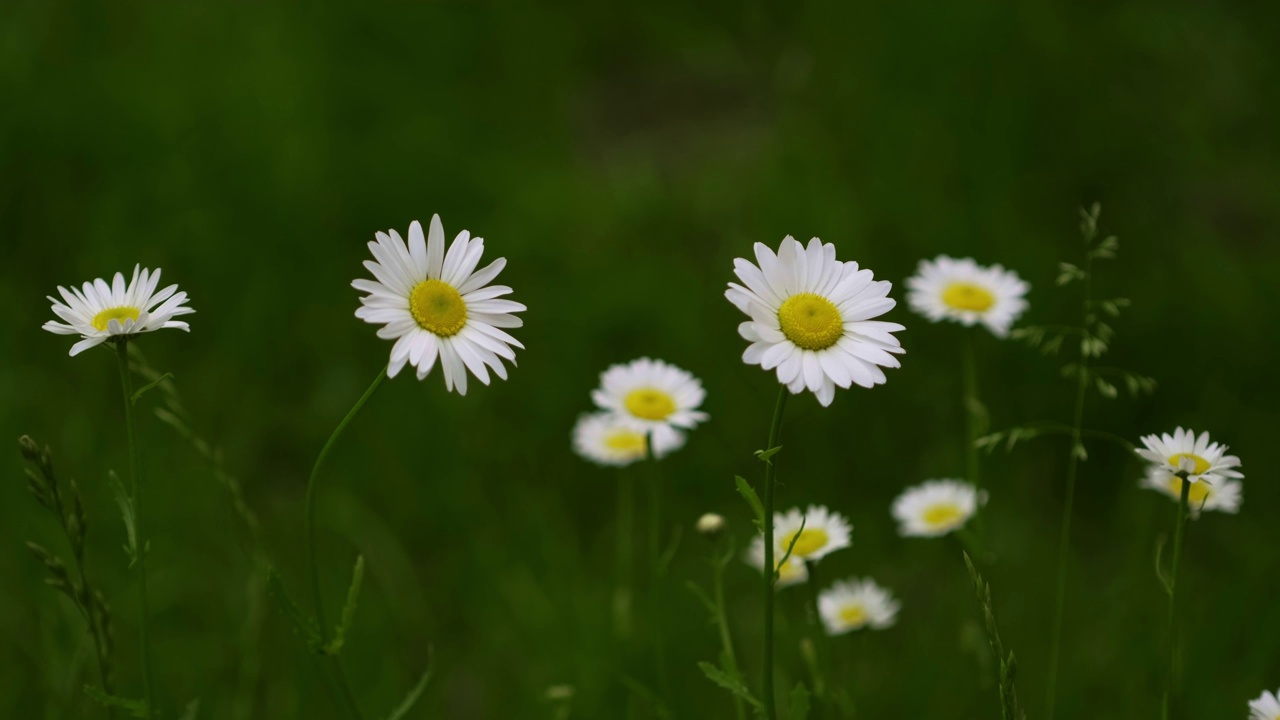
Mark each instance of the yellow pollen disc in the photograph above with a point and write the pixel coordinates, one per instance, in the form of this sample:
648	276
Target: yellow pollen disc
967	296
809	541
631	443
104	318
810	321
1199	492
1201	463
438	308
943	514
649	403
853	614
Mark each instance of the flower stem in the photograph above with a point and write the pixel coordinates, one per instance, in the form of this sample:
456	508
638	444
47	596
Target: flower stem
770	572
1173	586
135	492
722	622
310	525
972	407
656	572
626	521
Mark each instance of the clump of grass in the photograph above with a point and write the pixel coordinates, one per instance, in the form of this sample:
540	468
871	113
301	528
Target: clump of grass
1009	707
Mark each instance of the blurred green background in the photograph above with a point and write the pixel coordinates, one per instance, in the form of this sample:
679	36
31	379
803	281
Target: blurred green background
620	157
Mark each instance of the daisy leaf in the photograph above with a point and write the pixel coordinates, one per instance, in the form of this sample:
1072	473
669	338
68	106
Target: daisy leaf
799	706
135	707
766	454
302	623
127	513
149	386
730	681
748	493
334	646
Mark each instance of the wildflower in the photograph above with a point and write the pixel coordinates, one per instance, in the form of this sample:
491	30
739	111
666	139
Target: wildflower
790	572
963	291
608	439
854	604
99	312
823	533
1221	495
654	396
711	524
936	507
1203	460
1266	707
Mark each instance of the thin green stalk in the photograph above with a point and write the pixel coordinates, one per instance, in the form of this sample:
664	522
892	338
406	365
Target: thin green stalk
626	522
1173	586
819	634
722	622
770	571
135	491
656	571
973	425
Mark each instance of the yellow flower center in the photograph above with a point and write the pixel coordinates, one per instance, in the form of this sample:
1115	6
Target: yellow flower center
627	441
943	514
104	318
853	614
1199	492
1201	463
807	541
438	308
788	570
650	403
810	321
967	296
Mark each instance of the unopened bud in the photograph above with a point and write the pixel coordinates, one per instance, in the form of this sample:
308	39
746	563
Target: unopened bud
30	450
711	524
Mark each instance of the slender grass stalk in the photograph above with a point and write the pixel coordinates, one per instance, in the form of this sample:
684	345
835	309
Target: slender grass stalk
135	492
1173	586
348	697
972	406
718	563
626	525
656	571
819	634
770	570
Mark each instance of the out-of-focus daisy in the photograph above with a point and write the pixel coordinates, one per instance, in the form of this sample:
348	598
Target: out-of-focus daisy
711	524
1266	707
1221	495
98	312
811	318
936	507
791	572
1203	460
655	396
609	439
964	291
823	533
854	604
437	305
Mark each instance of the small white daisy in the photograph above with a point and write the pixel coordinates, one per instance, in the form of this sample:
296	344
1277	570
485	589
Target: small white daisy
811	318
608	439
854	604
655	396
964	291
824	532
1204	460
99	312
791	572
437	305
710	524
1220	495
936	507
1266	707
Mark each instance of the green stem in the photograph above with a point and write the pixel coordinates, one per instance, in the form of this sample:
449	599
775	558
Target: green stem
135	491
626	521
1173	586
972	425
656	571
309	522
819	633
722	621
770	571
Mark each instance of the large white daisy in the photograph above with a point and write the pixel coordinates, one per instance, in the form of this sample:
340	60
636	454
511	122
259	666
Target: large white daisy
1266	707
936	507
98	312
964	291
656	397
608	439
811	318
437	305
853	604
823	533
1203	460
790	572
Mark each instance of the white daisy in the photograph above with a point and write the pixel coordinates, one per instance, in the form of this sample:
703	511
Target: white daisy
99	312
824	532
854	604
437	305
964	291
1221	495
811	318
655	396
1203	460
791	572
936	507
1266	707
608	439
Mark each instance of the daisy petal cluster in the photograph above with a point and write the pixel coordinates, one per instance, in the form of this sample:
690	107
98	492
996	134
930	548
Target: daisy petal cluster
99	312
816	532
792	571
641	403
854	604
437	306
936	507
812	318
1215	480
968	293
1266	707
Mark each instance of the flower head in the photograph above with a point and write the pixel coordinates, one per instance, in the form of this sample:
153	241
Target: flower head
654	396
817	532
437	305
609	439
98	312
965	292
854	604
711	524
1221	495
1266	707
790	572
811	318
1184	452
936	507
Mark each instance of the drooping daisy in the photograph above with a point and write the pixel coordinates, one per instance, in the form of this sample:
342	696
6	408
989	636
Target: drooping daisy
1221	495
655	396
609	439
1204	460
99	312
936	507
964	291
1266	707
854	604
823	532
811	318
791	572
437	305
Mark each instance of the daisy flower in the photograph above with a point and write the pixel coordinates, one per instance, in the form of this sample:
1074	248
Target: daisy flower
437	305
1266	707
791	572
98	312
936	507
1221	495
608	439
964	291
854	604
656	397
811	318
1203	460
824	532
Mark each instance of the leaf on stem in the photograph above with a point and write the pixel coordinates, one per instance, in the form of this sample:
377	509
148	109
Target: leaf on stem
348	609
748	493
149	386
731	681
799	705
127	513
415	693
765	455
135	707
791	546
302	623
